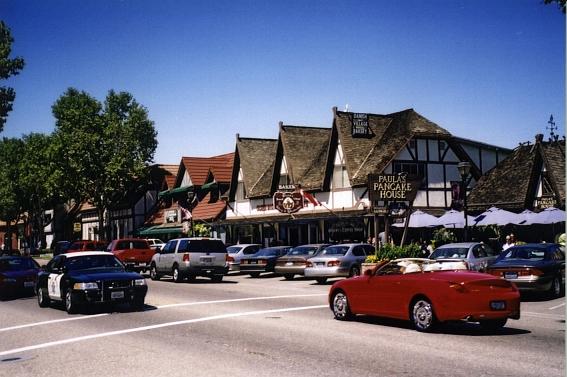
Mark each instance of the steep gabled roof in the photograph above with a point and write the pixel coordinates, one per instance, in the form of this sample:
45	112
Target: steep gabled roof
388	135
256	158
305	150
199	168
205	210
512	183
169	174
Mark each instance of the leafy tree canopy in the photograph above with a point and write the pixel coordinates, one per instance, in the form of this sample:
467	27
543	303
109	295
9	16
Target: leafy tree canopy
11	195
8	67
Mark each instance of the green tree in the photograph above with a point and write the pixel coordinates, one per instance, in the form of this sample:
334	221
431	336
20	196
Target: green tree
39	180
8	67
560	3
11	195
104	149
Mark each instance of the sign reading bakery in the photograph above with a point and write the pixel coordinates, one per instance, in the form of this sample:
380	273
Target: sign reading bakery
288	202
392	187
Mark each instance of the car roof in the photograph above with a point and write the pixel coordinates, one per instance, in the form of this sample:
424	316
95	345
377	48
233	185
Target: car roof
458	244
244	244
314	244
86	253
535	245
197	238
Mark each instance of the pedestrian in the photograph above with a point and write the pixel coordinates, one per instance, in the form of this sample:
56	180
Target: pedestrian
424	249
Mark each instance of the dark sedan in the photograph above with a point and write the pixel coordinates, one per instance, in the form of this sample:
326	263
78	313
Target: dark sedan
17	276
533	267
263	261
89	278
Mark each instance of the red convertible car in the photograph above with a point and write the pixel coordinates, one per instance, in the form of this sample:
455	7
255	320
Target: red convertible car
426	293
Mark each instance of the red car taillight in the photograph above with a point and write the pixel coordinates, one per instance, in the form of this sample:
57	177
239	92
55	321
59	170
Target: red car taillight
229	258
530	272
261	261
186	257
333	263
309	264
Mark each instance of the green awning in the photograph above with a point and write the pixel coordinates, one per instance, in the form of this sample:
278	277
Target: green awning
160	229
210	186
177	190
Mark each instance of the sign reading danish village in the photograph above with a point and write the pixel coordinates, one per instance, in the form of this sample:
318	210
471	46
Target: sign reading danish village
360	125
392	187
288	202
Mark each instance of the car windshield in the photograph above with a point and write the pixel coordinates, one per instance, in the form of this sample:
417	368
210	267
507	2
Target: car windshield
524	253
233	249
267	253
303	250
17	264
335	250
140	245
450	252
92	261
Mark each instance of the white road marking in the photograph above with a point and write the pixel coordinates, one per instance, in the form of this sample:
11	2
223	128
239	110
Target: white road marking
159	307
558	306
52	321
543	315
153	327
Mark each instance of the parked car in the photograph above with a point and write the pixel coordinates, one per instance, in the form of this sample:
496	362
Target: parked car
533	267
401	289
190	257
81	279
156	243
17	275
294	262
263	261
237	252
87	245
338	261
132	251
61	247
477	255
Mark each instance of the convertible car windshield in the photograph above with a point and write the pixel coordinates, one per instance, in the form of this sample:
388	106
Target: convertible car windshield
92	261
450	252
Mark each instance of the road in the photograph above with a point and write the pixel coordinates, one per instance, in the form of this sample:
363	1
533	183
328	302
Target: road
266	327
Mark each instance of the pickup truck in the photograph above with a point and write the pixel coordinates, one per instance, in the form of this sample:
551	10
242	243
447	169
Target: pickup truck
133	252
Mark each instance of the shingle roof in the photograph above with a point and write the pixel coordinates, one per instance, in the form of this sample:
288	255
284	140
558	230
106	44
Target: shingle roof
208	211
170	174
305	150
389	134
257	159
199	168
512	183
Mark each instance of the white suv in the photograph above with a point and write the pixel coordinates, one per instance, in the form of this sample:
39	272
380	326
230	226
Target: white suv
190	257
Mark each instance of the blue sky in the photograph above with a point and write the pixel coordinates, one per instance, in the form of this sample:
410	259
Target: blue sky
491	71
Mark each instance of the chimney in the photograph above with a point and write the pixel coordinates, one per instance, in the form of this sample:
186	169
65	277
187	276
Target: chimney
539	138
334	111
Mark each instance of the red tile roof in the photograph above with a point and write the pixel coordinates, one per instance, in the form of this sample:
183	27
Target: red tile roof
208	211
199	168
158	217
171	176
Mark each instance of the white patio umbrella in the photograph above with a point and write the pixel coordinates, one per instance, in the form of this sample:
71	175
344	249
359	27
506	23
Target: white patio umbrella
419	219
525	217
549	215
454	219
496	216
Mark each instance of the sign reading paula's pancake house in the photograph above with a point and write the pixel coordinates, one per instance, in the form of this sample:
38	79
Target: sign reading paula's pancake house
392	187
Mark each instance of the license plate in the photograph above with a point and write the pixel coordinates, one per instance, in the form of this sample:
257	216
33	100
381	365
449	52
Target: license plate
142	264
289	264
510	275
498	305
206	260
116	295
253	262
29	284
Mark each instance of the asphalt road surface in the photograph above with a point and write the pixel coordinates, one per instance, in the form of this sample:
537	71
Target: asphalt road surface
266	327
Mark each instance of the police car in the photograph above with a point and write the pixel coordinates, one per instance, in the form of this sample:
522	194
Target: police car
88	278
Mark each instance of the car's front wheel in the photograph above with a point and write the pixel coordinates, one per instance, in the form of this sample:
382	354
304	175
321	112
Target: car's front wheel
177	275
254	274
138	304
71	306
153	272
422	315
341	308
43	299
217	278
556	288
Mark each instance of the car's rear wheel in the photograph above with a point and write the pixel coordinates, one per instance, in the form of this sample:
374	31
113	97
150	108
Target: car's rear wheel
138	304
71	306
288	276
177	275
153	272
321	280
556	289
341	309
43	299
493	324
354	271
422	315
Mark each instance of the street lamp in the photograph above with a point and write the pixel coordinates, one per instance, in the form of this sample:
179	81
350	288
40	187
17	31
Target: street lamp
464	170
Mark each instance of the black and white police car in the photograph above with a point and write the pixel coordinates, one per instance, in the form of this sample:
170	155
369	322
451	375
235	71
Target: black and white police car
87	278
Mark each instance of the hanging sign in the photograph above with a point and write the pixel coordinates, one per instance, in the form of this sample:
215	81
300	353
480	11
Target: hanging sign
360	125
393	187
288	202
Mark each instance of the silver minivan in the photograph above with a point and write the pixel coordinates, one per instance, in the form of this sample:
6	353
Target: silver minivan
186	258
477	255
